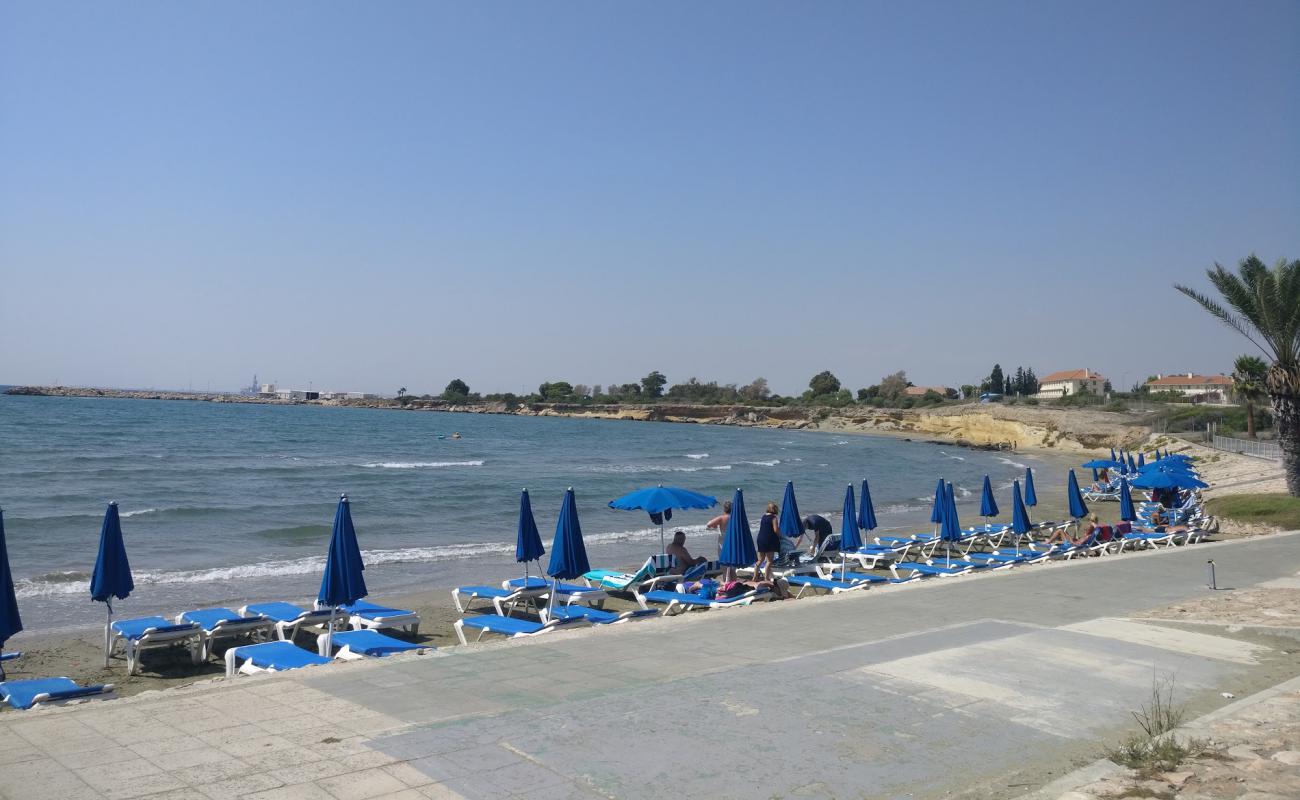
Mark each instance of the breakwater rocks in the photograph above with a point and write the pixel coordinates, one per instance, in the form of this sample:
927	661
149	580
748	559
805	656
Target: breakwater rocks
988	426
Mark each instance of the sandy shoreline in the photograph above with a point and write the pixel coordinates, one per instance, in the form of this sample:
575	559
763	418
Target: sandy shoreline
79	655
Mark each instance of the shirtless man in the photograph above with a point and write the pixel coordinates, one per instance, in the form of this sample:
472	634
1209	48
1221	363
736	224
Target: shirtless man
683	556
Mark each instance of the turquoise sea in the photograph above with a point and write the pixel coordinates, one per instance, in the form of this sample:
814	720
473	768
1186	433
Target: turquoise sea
231	503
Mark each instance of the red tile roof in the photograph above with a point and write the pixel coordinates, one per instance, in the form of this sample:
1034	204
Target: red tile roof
1073	375
1191	380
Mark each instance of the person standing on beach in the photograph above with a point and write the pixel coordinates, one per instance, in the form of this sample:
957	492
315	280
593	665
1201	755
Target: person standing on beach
768	541
719	523
821	528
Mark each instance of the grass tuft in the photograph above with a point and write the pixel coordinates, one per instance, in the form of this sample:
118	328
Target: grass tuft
1281	510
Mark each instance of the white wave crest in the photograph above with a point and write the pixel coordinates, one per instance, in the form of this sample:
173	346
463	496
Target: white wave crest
697	456
420	464
724	466
900	508
137	512
771	463
1011	463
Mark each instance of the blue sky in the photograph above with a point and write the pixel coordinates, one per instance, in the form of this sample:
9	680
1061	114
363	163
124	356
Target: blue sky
368	196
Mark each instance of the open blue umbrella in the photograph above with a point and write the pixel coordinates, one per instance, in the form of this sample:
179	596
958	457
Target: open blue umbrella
568	553
659	502
1126	511
738	542
112	575
528	542
866	509
1102	463
1031	497
10	621
1020	525
988	505
791	524
1168	480
342	582
1078	509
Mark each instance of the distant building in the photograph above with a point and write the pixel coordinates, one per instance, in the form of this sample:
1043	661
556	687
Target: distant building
1200	388
1071	381
267	391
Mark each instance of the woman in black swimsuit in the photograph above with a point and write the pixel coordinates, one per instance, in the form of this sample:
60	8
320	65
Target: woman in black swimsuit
768	543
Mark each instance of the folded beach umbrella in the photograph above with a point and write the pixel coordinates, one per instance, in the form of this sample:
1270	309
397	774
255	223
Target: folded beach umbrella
790	525
1078	509
866	510
1126	511
1031	497
950	529
1132	465
342	582
940	505
1123	464
1095	477
1141	461
10	621
738	542
988	505
528	542
659	502
568	553
112	575
850	537
1019	515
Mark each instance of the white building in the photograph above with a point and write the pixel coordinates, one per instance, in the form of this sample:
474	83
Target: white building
1200	388
1071	381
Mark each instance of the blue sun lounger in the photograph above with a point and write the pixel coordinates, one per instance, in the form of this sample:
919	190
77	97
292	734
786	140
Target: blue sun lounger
921	568
566	593
222	623
509	627
27	693
862	577
505	601
152	633
11	656
270	657
676	602
596	616
823	585
366	615
359	644
288	618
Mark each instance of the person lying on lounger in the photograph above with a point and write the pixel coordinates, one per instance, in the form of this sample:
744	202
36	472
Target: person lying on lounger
1063	536
678	551
1159	523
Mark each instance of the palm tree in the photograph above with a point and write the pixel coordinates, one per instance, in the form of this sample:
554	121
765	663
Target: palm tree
1248	374
1264	306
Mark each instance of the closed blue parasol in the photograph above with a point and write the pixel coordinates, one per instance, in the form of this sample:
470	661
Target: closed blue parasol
659	502
1141	461
1095	477
1020	524
1126	511
790	524
528	542
112	575
866	509
988	505
1112	454
10	621
342	582
850	537
938	510
568	553
950	528
738	543
1078	509
1031	497
1132	465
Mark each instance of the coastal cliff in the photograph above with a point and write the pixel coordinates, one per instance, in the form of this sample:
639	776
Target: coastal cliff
971	424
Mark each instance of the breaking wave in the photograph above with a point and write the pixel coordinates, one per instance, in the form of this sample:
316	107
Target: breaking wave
420	464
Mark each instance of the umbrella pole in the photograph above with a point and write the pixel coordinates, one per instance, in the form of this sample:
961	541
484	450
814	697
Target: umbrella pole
329	634
107	640
663	549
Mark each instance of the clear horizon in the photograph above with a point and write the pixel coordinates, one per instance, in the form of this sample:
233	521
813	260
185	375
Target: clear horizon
366	198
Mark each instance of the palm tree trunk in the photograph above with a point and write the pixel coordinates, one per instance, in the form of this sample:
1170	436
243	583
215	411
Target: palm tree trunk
1250	419
1286	419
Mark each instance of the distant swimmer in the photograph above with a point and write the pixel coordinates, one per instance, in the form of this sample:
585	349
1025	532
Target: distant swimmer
456	435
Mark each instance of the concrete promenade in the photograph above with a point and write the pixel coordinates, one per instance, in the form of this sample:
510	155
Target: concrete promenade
984	686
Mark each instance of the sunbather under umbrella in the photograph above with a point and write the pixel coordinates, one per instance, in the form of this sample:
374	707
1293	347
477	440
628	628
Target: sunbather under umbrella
659	502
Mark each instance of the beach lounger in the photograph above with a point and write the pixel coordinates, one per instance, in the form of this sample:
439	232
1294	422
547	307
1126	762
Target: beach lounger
349	645
596	616
835	574
222	623
10	656
922	568
270	657
566	593
823	585
872	556
152	633
510	627
365	615
34	691
288	618
676	602
503	600
1010	557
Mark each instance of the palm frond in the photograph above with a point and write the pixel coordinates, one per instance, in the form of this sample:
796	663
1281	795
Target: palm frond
1228	318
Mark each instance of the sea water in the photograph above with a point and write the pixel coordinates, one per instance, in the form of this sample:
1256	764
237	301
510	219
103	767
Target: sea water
227	503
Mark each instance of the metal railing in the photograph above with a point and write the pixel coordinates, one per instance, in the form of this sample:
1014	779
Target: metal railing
1246	447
